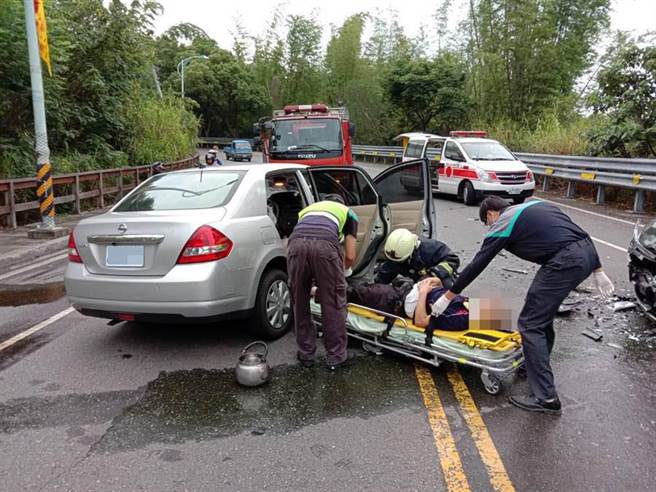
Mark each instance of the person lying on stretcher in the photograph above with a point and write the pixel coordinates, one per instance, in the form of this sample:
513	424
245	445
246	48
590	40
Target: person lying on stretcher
418	306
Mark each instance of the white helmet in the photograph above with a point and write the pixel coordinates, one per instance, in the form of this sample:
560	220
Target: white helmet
400	244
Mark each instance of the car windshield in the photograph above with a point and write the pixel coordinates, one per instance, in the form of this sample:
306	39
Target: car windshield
242	146
487	151
311	134
183	191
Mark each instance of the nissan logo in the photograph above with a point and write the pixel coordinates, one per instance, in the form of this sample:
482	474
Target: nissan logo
122	228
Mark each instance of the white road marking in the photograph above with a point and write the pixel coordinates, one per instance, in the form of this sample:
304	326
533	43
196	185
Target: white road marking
589	212
610	245
33	266
30	331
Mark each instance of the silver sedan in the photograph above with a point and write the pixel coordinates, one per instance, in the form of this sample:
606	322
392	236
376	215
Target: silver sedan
203	245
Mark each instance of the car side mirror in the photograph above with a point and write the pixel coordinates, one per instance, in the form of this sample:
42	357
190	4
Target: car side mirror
351	129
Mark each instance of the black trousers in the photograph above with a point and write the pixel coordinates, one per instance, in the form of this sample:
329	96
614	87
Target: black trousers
551	285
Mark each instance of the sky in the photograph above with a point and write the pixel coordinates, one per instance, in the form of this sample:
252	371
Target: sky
217	17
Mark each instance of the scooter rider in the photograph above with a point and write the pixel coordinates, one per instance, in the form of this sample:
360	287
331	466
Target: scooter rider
541	233
212	159
416	258
314	254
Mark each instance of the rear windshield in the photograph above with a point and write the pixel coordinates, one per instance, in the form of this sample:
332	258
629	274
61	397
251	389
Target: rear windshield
487	151
243	146
183	191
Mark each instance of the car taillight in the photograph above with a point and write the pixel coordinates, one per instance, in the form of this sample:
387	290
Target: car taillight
206	244
73	255
493	176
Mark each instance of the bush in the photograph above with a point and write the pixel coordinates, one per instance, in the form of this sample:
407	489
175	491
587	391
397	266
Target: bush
159	129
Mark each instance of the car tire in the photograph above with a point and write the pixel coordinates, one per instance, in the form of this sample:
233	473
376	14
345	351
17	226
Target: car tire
468	194
273	315
518	200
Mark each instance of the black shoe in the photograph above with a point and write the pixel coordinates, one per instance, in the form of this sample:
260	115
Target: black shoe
521	371
338	365
531	404
307	363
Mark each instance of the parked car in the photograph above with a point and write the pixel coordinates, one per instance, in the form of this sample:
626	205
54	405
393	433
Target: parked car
204	245
239	150
470	166
642	267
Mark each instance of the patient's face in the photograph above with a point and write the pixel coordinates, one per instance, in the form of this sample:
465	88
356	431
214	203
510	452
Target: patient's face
490	314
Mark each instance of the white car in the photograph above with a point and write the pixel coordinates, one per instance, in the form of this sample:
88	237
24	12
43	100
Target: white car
201	245
470	166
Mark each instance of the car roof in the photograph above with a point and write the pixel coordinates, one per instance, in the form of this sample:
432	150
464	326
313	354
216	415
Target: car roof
413	135
252	169
241	141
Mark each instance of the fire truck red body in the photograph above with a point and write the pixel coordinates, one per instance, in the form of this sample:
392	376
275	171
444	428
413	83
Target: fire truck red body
311	134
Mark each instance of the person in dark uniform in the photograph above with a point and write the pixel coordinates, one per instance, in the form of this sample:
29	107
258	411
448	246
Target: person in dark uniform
541	233
417	259
314	254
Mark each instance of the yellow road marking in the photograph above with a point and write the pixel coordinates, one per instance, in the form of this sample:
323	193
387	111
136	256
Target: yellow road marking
498	476
454	474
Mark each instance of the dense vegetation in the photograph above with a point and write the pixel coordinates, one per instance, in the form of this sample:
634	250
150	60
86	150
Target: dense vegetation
528	71
101	103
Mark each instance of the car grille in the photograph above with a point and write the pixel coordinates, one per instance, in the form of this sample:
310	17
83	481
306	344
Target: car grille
510	178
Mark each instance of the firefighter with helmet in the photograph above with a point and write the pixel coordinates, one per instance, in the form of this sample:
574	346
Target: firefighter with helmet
416	258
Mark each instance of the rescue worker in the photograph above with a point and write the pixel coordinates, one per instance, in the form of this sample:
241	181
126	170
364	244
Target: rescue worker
541	233
416	258
314	253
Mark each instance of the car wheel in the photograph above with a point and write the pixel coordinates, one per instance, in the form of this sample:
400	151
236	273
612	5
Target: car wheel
518	200
273	306
468	194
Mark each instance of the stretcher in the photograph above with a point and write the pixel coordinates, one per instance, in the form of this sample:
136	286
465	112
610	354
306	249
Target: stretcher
498	354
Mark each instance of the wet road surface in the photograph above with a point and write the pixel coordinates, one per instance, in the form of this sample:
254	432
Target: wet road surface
86	406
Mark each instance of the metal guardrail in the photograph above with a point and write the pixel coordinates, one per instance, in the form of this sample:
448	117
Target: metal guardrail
72	188
638	175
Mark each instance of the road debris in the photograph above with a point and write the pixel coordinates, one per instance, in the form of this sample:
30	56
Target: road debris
623	306
614	345
593	334
515	270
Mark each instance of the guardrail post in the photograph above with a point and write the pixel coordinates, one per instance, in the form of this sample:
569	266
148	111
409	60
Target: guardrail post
101	190
600	197
545	183
571	189
13	223
120	184
639	202
77	194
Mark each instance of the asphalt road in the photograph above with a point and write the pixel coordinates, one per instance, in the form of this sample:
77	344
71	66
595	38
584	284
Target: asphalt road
86	406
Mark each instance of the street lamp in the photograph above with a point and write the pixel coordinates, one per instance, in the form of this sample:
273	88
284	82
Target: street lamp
181	67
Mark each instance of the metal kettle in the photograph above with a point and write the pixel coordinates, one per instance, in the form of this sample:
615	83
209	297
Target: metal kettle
252	368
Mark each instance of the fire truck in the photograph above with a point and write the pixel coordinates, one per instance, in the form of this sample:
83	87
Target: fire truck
311	134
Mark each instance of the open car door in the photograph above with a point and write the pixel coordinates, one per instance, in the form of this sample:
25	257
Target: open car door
357	189
407	197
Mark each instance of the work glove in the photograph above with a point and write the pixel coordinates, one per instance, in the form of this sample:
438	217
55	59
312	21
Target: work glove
440	306
603	283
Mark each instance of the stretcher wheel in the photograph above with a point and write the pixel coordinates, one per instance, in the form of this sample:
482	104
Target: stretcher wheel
492	384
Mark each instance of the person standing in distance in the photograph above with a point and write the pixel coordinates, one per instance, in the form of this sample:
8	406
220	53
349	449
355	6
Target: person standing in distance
315	253
541	233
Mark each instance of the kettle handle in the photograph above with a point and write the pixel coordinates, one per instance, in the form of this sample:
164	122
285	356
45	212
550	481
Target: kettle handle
252	344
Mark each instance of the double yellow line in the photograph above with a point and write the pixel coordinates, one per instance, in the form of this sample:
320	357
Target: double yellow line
452	469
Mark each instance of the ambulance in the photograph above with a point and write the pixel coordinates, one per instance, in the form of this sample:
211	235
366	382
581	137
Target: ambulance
470	166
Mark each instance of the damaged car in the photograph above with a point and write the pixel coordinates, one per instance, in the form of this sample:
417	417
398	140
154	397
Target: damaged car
642	266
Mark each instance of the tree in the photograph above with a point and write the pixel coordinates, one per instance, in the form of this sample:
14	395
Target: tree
343	58
626	98
302	82
430	94
525	55
228	96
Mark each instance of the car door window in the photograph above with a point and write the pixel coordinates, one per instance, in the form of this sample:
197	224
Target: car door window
284	201
351	186
407	196
414	149
453	153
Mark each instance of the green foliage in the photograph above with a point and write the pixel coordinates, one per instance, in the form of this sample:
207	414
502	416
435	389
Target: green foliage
302	75
102	52
430	94
626	97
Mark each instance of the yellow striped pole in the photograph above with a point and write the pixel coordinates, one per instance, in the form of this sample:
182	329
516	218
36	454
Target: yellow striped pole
43	172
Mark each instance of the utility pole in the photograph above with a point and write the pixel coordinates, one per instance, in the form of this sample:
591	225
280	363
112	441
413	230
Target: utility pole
43	170
181	70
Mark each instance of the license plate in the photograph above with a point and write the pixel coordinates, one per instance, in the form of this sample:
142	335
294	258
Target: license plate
125	256
514	191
